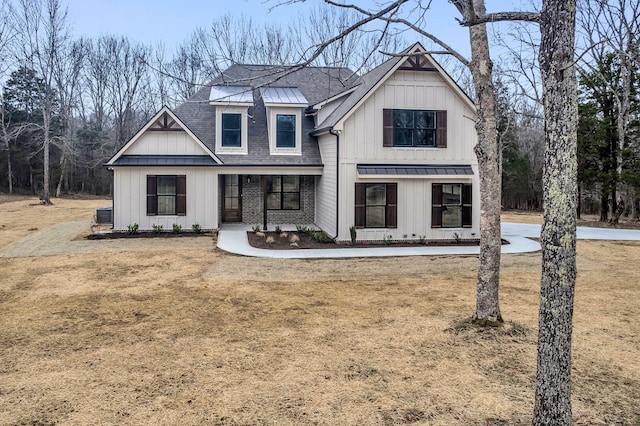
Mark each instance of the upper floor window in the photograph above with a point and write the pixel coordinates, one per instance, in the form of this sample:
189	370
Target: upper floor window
284	125
285	131
414	128
231	130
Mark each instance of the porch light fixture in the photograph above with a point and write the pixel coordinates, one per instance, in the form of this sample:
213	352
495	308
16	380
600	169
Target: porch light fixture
248	179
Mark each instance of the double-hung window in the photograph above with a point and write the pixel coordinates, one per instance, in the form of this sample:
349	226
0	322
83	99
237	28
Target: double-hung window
376	205
451	205
414	128
231	130
283	193
285	131
166	195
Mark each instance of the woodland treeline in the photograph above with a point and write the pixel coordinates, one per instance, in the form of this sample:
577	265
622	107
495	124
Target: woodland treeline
68	103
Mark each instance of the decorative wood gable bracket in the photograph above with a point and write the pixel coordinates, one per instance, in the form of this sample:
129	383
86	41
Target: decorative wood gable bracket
417	62
165	124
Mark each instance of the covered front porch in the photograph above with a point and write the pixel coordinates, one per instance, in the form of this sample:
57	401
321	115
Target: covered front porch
267	200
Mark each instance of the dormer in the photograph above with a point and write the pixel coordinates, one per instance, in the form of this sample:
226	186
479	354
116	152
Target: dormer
232	103
284	107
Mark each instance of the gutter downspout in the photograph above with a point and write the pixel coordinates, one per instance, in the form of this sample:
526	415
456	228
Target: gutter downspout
337	135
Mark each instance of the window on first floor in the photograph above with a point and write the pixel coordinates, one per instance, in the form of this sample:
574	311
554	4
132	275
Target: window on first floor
451	205
283	192
414	128
166	195
285	131
376	205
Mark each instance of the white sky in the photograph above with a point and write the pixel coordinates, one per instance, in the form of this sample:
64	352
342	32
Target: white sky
170	22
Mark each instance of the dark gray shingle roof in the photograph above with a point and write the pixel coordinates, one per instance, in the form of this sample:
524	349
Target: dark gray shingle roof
315	83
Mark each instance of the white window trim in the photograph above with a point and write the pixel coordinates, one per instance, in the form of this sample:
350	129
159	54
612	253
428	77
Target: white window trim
244	128
272	112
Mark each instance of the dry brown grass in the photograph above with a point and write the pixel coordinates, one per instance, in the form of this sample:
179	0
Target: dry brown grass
202	337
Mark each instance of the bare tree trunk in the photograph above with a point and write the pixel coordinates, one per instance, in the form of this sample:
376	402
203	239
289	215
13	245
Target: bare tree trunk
46	194
63	166
9	170
487	152
558	237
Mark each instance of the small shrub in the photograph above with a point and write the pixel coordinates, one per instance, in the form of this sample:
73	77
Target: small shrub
157	228
278	229
294	238
270	240
387	239
196	228
422	239
284	235
457	238
256	228
319	236
303	229
354	234
132	229
176	228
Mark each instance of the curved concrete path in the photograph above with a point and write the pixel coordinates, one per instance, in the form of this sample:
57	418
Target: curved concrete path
518	235
61	239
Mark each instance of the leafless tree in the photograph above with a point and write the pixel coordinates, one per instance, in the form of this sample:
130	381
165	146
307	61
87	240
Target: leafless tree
487	294
7	35
66	77
613	26
127	91
42	34
558	237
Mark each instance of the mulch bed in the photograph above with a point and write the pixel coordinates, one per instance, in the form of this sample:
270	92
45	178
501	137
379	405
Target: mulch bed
119	235
306	242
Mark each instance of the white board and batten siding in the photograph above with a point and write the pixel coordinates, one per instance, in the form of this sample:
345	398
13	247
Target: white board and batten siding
326	186
361	143
130	200
165	143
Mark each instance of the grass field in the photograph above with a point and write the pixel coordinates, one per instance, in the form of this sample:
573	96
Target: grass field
158	334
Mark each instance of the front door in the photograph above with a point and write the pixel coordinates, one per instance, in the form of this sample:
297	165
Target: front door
232	198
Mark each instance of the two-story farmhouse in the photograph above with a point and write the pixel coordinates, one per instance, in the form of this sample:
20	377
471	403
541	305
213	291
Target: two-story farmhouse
389	152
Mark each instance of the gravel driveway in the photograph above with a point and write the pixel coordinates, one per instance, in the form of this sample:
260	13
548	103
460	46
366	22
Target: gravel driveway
62	239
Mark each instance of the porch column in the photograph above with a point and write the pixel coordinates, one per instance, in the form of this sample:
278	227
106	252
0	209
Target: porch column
264	202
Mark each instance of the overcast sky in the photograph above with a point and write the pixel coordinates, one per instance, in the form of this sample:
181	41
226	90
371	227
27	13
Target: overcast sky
170	22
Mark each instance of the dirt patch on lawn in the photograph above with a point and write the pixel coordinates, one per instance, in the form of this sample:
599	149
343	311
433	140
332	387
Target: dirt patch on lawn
168	334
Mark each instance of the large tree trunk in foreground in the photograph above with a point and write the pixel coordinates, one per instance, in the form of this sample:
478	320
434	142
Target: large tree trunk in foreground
487	300
558	237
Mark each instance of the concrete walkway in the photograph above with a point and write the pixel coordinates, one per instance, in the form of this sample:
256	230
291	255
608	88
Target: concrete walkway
234	240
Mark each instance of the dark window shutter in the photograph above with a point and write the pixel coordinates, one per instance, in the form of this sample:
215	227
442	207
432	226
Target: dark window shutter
387	127
441	129
152	196
181	195
466	205
436	205
360	208
392	205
